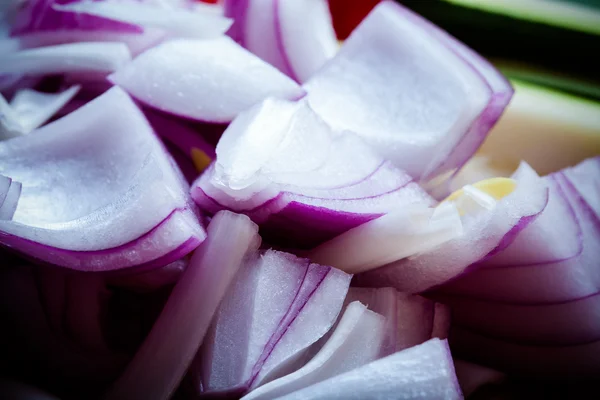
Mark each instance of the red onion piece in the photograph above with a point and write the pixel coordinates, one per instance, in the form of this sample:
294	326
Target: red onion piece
571	279
90	57
134	211
410	319
42	16
409	112
485	234
277	307
167	352
279	163
209	80
30	109
355	341
423	371
176	21
394	236
297	37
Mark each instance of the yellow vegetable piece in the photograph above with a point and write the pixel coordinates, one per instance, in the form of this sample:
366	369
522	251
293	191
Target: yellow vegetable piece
200	159
498	188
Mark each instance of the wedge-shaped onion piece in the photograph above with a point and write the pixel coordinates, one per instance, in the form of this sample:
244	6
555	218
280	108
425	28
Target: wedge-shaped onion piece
571	279
355	341
277	307
10	192
30	109
486	232
84	57
303	183
410	92
576	362
176	21
297	37
135	209
209	80
391	237
410	319
167	352
423	371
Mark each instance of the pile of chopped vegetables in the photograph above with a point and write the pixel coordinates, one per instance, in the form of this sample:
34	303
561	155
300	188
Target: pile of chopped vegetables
222	200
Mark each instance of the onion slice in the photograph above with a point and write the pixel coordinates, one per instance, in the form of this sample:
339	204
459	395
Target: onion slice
177	21
90	57
418	114
297	37
135	209
210	80
355	341
30	109
163	358
277	307
423	370
485	233
280	164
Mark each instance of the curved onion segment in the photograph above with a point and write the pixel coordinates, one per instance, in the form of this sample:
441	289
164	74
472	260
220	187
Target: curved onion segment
29	109
486	232
419	98
167	352
410	319
177	21
283	166
276	308
134	210
209	80
539	299
355	341
423	371
297	37
91	57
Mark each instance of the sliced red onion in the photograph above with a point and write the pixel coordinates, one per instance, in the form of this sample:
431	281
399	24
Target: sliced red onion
410	319
418	114
90	57
585	177
135	209
423	371
485	233
30	109
283	166
391	237
297	37
209	80
167	352
10	201
573	278
41	16
278	306
355	341
577	362
472	376
177	21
